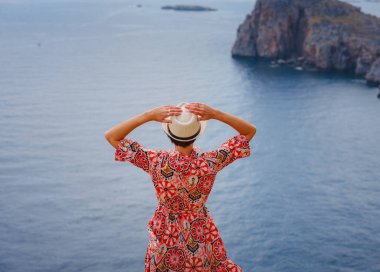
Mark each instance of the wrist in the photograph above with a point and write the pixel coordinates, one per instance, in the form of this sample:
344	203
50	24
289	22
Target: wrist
217	114
147	116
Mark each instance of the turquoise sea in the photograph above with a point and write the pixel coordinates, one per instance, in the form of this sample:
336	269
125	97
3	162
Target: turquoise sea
307	200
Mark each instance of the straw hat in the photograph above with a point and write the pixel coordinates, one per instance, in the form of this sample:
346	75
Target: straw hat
184	127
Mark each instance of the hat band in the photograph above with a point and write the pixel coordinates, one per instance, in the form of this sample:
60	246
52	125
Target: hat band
184	138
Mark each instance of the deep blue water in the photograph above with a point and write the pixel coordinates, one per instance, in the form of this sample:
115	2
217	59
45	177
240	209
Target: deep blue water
308	198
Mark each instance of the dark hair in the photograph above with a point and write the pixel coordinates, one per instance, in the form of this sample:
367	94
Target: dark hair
183	144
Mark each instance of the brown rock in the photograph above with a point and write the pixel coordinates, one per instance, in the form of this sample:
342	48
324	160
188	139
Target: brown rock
373	74
325	34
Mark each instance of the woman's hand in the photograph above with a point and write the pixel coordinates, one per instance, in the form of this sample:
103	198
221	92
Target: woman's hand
203	111
162	113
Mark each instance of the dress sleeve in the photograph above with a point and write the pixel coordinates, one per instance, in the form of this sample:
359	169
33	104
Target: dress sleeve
234	148
132	151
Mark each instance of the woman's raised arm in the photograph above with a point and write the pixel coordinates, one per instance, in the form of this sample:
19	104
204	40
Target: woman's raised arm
207	112
159	114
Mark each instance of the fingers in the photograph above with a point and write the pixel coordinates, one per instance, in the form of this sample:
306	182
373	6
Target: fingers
196	110
168	121
175	110
172	111
163	113
195	105
172	107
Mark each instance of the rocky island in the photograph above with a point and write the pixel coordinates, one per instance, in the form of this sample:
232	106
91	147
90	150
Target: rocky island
188	8
319	34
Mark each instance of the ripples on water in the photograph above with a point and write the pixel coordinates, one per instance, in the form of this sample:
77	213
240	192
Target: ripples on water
306	200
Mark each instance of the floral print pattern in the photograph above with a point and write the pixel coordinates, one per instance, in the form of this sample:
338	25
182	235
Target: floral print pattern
194	264
174	258
182	232
198	229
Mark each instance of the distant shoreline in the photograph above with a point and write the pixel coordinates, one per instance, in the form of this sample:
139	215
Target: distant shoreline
188	8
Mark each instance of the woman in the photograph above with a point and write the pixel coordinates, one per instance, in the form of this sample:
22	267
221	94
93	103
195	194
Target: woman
183	235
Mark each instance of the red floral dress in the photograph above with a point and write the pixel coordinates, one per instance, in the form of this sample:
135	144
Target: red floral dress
183	235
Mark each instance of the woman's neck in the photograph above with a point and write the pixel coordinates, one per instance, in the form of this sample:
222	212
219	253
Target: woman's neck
184	150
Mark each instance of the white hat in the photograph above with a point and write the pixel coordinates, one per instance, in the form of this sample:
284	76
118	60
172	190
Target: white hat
184	127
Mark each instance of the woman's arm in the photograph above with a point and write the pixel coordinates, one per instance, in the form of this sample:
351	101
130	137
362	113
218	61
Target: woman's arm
206	112
159	114
242	126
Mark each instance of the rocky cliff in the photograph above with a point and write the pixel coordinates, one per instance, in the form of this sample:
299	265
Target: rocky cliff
324	34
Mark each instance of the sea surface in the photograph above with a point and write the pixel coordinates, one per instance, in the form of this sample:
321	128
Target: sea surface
307	199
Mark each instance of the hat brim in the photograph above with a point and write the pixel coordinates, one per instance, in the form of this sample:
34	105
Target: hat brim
203	127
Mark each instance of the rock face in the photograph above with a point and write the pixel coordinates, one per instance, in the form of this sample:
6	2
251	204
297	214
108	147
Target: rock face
324	34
